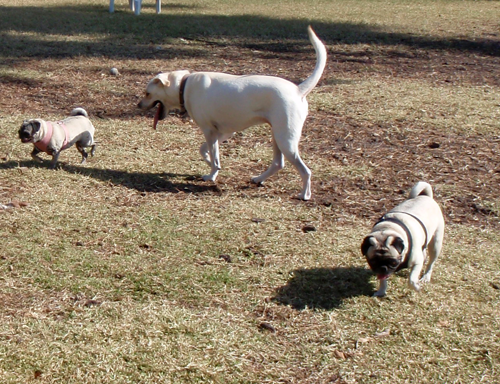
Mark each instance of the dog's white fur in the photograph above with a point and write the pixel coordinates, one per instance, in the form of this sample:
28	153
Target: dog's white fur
222	104
420	205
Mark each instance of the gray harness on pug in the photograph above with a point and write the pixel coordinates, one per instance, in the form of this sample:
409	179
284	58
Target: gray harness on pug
405	228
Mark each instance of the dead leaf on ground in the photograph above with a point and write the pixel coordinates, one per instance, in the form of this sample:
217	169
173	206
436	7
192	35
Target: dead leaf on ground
384	333
14	204
339	354
346	355
309	228
363	340
226	258
267	327
444	323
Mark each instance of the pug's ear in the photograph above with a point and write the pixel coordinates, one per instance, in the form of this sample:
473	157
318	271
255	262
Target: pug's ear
399	244
36	126
368	242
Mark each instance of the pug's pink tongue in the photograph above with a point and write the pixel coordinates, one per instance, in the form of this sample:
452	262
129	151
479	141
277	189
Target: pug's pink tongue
382	277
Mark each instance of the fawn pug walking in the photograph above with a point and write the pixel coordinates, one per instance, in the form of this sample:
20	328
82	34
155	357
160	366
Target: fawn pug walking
401	238
54	137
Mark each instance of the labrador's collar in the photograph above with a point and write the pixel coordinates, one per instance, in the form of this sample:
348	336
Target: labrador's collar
183	109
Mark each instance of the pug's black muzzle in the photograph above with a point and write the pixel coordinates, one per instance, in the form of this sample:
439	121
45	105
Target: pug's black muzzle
382	264
25	136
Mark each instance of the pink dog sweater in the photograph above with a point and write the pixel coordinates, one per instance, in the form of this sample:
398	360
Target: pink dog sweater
42	144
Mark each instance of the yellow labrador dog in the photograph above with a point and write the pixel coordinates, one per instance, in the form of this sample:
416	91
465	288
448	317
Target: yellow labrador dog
222	104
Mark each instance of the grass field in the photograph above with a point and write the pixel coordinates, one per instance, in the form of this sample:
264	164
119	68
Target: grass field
131	269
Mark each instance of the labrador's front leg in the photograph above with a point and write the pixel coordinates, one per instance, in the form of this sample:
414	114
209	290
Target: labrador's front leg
212	142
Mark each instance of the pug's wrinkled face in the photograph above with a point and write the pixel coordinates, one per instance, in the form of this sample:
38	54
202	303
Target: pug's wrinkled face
29	130
383	253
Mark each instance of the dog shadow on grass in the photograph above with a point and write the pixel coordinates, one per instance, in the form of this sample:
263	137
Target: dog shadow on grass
140	181
324	288
148	181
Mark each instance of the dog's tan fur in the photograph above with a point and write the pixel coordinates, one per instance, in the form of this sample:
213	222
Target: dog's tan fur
403	236
80	132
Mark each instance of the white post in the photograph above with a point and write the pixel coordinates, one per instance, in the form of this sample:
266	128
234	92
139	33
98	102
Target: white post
135	6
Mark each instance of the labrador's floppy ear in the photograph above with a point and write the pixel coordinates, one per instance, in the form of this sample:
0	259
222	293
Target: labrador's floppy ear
163	82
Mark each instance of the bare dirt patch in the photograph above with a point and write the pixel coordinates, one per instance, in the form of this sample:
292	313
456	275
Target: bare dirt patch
398	155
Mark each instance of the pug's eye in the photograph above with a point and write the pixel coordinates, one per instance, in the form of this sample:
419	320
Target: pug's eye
147	94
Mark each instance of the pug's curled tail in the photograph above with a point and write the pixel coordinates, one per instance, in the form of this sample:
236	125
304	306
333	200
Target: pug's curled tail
79	112
421	188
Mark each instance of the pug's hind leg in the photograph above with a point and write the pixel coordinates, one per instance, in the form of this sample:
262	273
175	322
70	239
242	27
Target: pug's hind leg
415	274
83	152
55	157
434	250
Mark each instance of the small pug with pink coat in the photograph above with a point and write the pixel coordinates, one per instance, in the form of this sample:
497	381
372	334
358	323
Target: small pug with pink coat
52	137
